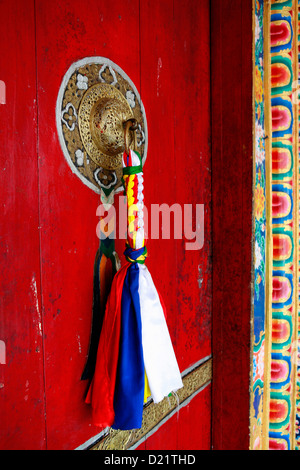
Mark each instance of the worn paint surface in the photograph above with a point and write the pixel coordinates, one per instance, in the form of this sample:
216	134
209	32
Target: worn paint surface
183	437
231	60
48	232
22	404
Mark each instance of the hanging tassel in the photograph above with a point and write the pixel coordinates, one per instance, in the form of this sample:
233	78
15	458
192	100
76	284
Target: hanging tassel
135	355
101	287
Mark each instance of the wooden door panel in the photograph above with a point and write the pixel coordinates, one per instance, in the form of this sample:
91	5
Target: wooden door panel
187	429
21	322
157	93
48	258
193	174
232	219
68	207
194	431
175	89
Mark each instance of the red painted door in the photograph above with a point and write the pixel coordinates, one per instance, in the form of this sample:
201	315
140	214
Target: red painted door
48	228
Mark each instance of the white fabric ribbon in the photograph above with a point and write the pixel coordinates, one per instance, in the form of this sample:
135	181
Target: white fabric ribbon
159	358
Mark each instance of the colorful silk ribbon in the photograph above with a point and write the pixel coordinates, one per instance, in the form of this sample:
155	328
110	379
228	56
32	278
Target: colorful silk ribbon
135	357
103	275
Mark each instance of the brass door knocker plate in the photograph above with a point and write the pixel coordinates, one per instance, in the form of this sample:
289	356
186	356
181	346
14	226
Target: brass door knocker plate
95	101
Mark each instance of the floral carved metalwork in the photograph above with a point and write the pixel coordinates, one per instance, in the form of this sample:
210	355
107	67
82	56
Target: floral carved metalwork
78	93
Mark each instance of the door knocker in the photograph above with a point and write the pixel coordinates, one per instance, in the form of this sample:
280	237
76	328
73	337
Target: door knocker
130	357
84	85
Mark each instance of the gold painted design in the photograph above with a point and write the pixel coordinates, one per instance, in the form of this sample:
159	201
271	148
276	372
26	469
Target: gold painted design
155	413
282	195
279	23
277	363
277	328
284	151
287	111
285	254
285	282
276	75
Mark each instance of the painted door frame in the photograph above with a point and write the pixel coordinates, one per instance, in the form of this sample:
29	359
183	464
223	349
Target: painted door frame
232	171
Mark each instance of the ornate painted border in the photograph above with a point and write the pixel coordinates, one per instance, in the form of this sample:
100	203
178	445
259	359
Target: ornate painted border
297	404
279	427
285	205
260	241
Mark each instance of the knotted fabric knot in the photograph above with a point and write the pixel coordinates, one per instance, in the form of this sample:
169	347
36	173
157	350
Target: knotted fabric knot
135	256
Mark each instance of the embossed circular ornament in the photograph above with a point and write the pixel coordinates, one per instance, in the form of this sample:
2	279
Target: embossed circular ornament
103	106
85	84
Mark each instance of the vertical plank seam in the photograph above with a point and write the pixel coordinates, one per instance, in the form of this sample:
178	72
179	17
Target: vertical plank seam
252	236
174	156
39	222
211	185
242	153
140	49
222	239
217	50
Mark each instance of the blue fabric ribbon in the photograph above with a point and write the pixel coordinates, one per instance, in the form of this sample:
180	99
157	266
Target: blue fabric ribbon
130	382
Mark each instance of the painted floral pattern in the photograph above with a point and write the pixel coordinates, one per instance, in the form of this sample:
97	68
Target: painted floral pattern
259	192
259	248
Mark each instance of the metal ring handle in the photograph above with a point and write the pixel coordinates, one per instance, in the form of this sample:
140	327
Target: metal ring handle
126	136
130	125
134	124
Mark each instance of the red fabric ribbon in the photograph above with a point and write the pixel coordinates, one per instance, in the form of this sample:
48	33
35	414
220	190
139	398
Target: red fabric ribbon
101	391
